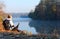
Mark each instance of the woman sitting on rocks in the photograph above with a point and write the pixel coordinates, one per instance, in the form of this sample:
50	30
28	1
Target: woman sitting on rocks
8	24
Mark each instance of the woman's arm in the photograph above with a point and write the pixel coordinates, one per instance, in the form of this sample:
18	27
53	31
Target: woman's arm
11	23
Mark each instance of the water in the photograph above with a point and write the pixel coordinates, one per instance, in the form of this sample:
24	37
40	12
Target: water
36	26
24	24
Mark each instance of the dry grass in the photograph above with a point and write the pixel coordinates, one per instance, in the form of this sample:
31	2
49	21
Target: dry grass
1	18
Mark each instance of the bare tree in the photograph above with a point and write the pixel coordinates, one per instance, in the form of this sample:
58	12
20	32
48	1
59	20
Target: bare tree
2	6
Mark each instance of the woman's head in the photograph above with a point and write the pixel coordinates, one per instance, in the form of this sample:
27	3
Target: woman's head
9	16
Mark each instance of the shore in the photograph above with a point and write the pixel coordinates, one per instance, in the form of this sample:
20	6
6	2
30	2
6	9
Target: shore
10	35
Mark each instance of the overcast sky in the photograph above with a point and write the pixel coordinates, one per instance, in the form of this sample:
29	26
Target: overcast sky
20	5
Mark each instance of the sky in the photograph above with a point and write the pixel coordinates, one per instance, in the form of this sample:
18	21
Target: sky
20	5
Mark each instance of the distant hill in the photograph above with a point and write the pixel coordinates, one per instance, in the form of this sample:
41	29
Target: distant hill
19	14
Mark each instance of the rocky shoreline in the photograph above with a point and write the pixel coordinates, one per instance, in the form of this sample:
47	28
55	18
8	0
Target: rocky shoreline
9	35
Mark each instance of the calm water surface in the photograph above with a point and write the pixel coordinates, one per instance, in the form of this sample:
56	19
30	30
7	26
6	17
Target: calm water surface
35	26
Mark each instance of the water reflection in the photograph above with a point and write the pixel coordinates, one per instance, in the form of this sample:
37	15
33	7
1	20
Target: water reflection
45	26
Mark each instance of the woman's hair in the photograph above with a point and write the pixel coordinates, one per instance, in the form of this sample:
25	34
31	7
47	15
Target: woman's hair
9	16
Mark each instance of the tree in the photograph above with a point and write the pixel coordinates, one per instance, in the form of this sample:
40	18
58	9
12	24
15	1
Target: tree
45	11
2	6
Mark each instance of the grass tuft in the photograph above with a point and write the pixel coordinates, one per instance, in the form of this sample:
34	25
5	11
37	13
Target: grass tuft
1	18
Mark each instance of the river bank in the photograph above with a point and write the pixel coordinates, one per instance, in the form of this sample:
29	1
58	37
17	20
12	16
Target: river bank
6	35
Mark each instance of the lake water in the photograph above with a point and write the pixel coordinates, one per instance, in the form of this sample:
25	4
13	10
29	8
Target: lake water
35	26
24	24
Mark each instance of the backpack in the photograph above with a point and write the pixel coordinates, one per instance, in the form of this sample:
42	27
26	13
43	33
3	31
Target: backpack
6	24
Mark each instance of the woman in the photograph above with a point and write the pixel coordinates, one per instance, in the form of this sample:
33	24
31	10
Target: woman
8	23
